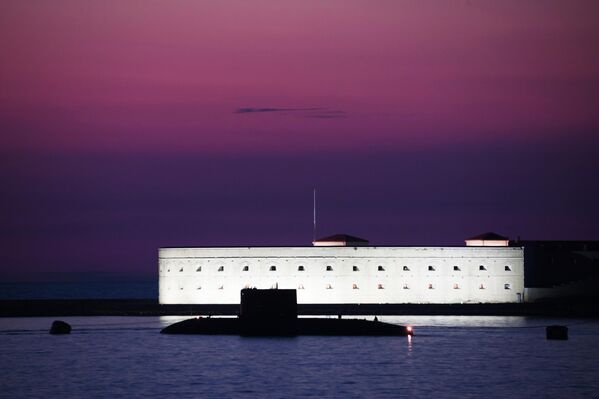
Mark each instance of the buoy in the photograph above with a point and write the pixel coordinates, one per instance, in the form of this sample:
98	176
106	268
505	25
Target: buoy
60	327
557	332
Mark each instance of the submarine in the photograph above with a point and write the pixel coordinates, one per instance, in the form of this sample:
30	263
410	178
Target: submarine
273	312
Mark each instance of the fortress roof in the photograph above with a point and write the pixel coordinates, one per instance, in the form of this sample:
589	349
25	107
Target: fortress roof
488	240
490	236
340	240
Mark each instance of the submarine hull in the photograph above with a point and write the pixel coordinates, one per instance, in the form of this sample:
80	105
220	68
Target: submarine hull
302	326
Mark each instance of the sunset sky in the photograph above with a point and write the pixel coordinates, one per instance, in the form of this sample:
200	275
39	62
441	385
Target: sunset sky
131	125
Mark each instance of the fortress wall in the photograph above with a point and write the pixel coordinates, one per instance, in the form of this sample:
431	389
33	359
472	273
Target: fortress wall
216	275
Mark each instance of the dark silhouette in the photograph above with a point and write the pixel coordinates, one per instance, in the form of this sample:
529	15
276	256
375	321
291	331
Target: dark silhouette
274	313
60	327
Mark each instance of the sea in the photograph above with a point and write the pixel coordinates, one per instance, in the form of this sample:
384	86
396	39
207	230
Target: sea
448	357
143	289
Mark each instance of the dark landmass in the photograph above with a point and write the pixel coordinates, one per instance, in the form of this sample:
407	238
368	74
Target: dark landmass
150	307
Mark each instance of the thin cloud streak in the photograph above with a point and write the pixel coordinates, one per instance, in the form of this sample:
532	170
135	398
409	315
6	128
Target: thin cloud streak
251	110
308	112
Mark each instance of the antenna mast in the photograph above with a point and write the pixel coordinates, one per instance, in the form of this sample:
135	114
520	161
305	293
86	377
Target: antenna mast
314	226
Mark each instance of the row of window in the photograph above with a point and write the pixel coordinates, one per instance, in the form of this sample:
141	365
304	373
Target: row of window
456	286
300	268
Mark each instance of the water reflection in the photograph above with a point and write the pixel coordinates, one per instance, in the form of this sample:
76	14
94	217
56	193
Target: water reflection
168	320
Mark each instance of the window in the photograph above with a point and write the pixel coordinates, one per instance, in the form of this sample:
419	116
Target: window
380	286
329	268
456	286
221	268
273	268
508	269
245	268
356	269
482	268
406	269
381	268
355	287
199	269
430	286
300	269
406	287
456	268
431	268
329	287
507	286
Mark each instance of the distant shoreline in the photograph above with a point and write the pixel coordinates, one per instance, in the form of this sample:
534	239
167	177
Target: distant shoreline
151	307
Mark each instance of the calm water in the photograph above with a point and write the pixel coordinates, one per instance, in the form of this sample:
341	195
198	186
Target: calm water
460	357
80	290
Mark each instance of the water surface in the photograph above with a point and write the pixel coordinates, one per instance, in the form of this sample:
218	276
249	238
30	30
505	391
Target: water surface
465	357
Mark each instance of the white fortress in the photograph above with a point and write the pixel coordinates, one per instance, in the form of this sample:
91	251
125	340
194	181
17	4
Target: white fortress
344	270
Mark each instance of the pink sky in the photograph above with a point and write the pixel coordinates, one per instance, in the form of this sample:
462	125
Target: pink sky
153	75
130	125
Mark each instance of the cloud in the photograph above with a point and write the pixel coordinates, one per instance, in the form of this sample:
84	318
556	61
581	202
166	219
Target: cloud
250	110
307	112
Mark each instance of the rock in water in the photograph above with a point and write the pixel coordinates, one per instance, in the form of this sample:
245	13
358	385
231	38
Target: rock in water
60	327
557	332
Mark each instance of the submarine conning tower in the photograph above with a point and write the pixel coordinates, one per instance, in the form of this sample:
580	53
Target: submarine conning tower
269	304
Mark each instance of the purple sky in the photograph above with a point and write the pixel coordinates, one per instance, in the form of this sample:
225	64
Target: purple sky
130	125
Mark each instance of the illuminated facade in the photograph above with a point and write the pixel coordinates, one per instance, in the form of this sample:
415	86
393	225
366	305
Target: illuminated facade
344	274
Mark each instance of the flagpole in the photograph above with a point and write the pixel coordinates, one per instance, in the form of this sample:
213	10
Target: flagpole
314	225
